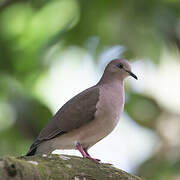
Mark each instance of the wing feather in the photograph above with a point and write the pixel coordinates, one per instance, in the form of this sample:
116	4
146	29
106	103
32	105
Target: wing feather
75	113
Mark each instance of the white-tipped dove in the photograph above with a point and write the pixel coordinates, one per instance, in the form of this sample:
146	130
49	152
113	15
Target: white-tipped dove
89	116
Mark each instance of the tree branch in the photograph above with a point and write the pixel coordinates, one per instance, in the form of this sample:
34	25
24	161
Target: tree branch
61	167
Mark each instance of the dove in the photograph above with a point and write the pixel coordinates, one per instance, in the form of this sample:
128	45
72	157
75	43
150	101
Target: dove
89	116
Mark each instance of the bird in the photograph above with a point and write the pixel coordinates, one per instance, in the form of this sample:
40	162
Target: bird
89	116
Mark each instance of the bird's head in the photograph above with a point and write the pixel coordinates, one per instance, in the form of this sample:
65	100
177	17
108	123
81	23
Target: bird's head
120	68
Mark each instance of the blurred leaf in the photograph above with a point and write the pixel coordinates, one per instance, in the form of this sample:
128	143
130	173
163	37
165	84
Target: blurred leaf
159	168
12	142
24	37
31	115
144	110
8	86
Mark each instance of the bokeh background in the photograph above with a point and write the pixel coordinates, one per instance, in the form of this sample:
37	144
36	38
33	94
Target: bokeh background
52	50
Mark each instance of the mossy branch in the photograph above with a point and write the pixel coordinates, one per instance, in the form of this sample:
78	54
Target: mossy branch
61	167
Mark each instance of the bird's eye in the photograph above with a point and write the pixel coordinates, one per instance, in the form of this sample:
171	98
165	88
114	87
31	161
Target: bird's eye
120	65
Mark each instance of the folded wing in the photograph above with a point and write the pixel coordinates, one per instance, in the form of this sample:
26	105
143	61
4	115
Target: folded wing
75	113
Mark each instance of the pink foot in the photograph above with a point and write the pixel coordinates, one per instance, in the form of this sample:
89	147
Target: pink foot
96	160
85	154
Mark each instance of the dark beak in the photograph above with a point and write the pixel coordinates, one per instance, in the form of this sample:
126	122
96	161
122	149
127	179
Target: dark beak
131	74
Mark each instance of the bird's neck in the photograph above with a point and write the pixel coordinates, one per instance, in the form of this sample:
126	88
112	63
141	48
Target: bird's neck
106	79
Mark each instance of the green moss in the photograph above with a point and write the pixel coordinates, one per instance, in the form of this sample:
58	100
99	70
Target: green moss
61	167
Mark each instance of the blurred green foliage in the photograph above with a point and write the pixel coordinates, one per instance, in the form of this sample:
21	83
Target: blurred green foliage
29	29
26	31
143	109
160	168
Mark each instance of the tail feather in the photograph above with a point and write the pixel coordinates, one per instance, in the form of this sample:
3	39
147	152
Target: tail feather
37	142
33	148
31	152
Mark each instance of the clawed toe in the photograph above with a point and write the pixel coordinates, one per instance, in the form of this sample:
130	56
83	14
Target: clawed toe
94	160
85	154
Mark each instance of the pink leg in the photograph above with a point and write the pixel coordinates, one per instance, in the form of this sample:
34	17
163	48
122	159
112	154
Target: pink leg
81	150
85	150
84	153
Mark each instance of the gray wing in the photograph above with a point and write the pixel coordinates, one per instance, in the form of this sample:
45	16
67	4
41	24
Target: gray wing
76	112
